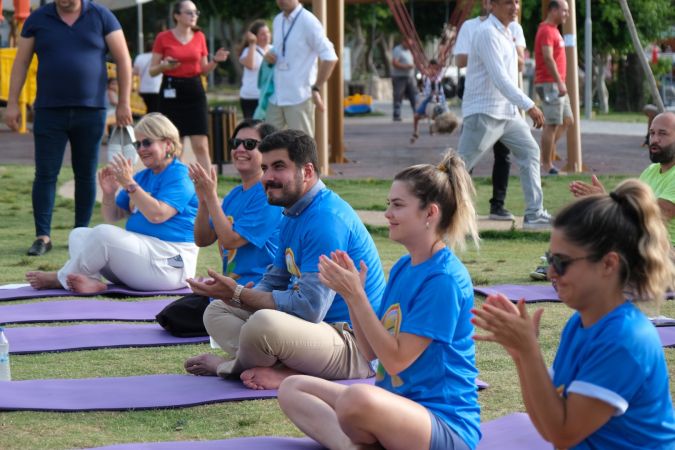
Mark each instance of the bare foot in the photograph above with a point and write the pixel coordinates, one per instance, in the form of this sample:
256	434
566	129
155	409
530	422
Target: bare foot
205	364
266	377
82	284
43	280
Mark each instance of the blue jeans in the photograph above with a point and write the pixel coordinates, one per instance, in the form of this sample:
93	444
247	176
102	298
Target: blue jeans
52	129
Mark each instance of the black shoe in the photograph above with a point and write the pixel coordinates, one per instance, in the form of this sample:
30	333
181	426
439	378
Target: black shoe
500	213
39	248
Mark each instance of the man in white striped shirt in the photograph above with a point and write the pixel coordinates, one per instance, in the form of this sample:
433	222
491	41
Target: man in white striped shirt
490	107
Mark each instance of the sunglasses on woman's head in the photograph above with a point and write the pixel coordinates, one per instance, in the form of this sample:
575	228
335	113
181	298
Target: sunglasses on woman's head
143	143
561	263
249	144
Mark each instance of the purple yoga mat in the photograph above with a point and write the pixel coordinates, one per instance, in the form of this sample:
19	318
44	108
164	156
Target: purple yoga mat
667	335
512	432
80	310
113	290
87	337
532	293
246	443
127	393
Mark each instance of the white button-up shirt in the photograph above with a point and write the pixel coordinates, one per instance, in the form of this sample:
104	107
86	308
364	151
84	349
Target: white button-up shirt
492	74
295	69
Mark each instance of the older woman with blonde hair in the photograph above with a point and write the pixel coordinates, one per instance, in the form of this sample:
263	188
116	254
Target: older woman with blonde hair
157	249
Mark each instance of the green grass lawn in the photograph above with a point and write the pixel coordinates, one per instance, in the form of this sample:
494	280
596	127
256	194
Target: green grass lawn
503	257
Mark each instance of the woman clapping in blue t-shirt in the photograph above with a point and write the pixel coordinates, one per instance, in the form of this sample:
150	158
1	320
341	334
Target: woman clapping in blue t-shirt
425	394
156	251
608	387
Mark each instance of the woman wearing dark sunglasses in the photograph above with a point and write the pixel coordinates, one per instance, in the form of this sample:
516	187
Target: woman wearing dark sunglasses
608	386
244	225
156	251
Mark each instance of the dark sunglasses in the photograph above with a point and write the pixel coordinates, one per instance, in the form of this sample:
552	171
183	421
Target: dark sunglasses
249	144
561	263
144	143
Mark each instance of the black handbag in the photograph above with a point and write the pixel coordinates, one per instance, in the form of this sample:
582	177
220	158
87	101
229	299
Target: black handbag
185	316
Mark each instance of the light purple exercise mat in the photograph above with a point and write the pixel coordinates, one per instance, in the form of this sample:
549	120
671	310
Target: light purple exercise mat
245	443
512	432
127	393
81	310
91	336
667	335
532	293
25	292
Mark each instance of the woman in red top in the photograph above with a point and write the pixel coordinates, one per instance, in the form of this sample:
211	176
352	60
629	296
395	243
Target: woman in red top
181	55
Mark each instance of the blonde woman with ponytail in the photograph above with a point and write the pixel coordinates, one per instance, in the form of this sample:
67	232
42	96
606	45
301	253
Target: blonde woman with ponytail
425	392
608	386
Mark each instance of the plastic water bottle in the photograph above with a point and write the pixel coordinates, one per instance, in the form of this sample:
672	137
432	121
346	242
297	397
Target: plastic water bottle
5	374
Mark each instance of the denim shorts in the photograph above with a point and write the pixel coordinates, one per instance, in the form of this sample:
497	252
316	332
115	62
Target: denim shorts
442	436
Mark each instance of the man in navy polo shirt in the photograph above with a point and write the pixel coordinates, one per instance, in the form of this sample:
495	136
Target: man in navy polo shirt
71	39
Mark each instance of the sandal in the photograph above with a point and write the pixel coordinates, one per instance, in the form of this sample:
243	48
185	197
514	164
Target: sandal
414	137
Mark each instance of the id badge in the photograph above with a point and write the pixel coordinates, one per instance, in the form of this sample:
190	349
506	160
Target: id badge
283	65
169	93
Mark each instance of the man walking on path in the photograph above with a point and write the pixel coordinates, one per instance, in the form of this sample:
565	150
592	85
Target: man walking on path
298	40
502	161
490	107
549	81
402	77
71	39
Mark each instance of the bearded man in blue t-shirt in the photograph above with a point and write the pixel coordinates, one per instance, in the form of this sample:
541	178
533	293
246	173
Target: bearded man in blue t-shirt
290	323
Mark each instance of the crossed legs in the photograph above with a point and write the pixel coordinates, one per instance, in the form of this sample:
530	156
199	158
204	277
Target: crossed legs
354	417
267	346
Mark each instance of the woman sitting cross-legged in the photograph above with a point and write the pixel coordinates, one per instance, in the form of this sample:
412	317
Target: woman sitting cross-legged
425	395
157	249
608	387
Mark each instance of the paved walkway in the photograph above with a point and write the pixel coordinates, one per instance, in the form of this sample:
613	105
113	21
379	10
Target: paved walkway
376	147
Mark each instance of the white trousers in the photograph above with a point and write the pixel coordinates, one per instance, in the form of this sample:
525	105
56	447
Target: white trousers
135	260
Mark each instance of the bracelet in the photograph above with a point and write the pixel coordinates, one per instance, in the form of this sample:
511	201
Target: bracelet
235	297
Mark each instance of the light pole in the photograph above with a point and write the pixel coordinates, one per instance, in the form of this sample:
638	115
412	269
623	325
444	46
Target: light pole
588	57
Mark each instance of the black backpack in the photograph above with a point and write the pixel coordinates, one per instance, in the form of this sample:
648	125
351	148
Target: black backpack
185	316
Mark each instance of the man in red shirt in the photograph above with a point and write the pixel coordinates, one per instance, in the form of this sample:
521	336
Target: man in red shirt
549	81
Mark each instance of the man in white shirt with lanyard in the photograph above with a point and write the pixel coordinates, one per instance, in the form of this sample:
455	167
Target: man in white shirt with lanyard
502	162
490	107
298	41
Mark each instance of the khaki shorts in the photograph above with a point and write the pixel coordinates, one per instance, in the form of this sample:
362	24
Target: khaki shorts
554	107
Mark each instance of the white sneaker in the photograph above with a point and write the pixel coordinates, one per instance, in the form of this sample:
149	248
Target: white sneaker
541	220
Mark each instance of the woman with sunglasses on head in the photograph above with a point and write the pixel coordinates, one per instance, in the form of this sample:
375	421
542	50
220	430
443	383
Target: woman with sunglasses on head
156	251
245	224
180	54
608	386
425	394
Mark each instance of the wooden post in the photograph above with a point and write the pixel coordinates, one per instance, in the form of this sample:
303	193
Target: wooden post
321	117
574	160
336	26
641	56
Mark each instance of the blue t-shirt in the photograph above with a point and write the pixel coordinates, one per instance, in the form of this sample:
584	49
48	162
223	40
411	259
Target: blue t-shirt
256	221
433	299
619	360
72	66
326	225
173	187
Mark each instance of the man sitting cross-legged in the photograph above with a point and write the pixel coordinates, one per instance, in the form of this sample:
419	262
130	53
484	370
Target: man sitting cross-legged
290	323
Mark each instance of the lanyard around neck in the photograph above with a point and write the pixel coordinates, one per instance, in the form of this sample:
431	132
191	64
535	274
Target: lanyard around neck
285	35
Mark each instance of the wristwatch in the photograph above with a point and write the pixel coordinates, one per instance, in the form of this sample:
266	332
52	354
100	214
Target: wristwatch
235	297
316	88
131	188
